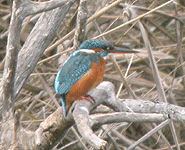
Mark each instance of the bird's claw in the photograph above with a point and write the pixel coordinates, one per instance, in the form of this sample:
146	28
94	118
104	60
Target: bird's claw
88	98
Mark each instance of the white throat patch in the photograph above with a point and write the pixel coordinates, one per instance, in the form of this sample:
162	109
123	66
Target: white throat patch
87	50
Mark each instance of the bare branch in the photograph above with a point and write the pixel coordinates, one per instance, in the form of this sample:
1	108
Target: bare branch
80	24
9	89
7	84
27	7
35	44
101	119
104	94
46	6
7	93
82	120
53	128
109	20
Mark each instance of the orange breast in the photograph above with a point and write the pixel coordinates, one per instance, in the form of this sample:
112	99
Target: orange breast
90	80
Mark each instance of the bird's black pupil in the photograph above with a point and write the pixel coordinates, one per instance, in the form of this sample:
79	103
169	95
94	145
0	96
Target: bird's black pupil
104	47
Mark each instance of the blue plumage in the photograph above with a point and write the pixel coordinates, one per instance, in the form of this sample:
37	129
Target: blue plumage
62	98
96	43
77	65
73	69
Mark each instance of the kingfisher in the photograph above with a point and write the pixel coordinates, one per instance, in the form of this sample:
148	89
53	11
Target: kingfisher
83	71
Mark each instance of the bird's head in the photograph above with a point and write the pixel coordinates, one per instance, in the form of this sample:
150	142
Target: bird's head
102	48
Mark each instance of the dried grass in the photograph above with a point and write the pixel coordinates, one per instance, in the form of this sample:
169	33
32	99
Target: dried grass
162	22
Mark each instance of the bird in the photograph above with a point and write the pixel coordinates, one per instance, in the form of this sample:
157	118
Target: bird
83	71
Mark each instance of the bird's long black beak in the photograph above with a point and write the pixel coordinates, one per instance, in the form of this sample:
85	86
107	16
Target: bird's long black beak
122	50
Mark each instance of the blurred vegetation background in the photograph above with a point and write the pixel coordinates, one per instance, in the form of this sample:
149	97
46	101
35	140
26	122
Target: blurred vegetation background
165	31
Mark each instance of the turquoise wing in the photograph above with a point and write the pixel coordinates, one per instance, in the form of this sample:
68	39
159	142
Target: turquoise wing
74	68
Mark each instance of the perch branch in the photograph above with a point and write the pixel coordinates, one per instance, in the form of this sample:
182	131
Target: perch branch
104	94
82	120
52	130
54	127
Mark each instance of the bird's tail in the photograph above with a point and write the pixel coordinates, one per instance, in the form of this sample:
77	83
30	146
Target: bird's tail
64	106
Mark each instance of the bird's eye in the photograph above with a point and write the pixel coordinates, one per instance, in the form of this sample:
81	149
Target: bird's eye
105	47
109	48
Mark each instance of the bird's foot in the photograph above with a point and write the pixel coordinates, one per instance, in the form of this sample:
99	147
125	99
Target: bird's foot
88	98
